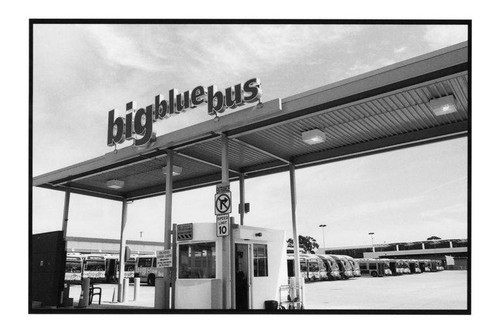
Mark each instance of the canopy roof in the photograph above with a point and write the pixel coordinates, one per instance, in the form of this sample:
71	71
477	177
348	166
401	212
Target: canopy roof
378	111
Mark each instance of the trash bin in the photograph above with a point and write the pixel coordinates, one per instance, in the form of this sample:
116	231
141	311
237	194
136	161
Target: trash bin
271	305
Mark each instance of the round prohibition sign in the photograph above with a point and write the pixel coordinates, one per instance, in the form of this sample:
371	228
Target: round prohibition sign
223	204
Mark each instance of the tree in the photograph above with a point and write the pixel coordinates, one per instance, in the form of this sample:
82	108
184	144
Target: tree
308	243
433	238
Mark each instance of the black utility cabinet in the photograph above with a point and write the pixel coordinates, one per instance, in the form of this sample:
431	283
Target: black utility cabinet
47	263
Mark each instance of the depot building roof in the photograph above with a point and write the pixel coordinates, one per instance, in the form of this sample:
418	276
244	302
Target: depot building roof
421	100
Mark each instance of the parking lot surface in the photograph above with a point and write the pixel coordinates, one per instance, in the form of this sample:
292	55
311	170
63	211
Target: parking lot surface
446	290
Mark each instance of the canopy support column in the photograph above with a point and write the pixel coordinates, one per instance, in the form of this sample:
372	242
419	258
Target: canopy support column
122	252
242	198
168	222
65	214
296	266
227	246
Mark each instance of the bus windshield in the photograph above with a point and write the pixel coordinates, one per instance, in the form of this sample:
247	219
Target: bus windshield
73	267
303	266
93	265
130	266
313	266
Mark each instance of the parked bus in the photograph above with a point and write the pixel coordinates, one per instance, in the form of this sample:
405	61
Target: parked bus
303	266
436	265
316	267
312	267
396	266
332	268
425	265
73	270
372	267
387	267
356	272
414	266
145	268
405	263
440	266
344	266
94	267
113	268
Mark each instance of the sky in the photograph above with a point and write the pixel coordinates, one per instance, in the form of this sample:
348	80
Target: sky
83	71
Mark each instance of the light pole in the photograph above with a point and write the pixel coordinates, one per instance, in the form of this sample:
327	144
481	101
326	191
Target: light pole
373	247
322	226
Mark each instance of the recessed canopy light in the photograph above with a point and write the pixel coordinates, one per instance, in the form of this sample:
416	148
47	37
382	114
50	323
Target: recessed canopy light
313	137
176	170
115	184
443	105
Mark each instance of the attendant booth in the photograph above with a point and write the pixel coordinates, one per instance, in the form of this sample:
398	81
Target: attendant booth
259	267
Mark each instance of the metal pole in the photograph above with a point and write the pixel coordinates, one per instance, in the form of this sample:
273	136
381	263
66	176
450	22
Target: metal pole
231	264
373	247
324	237
322	226
65	214
168	220
242	198
174	263
294	228
122	251
226	241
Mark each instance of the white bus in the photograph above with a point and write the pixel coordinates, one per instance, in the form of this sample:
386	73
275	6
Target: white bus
94	267
145	268
73	270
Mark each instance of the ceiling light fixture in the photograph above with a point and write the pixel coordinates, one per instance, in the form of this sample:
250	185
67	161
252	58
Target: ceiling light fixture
115	184
443	105
176	170
314	136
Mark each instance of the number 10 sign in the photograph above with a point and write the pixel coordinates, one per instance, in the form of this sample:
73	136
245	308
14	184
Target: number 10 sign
222	225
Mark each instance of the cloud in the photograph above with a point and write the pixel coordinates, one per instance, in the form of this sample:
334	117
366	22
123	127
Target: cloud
400	49
461	180
203	47
439	36
121	47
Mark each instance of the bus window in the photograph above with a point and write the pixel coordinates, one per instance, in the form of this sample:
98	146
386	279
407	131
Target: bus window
144	262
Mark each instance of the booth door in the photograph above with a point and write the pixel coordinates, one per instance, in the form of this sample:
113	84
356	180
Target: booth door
242	269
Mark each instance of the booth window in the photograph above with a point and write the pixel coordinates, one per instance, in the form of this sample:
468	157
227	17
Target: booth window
197	261
260	260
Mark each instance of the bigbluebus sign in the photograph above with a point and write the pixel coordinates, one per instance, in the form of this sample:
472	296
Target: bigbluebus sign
137	125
